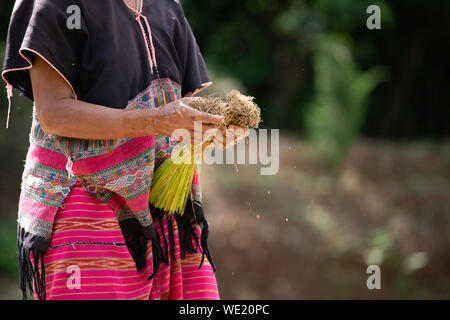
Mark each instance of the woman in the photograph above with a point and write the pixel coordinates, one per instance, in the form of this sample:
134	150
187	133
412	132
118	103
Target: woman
110	81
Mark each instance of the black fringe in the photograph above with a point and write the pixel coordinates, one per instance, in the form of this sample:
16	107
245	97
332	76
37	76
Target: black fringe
31	250
137	238
204	242
186	224
194	213
156	253
137	246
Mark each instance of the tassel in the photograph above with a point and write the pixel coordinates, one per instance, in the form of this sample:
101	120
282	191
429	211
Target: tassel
31	273
205	248
39	274
25	271
190	242
137	245
69	166
156	253
9	93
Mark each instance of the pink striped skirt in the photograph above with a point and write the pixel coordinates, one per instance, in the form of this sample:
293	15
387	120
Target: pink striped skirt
88	259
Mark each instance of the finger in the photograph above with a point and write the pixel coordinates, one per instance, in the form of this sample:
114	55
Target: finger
222	130
212	127
225	140
239	131
197	141
220	143
208	118
206	129
220	136
199	115
207	132
192	139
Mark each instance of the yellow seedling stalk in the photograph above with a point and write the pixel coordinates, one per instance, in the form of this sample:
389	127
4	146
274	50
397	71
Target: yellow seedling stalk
172	180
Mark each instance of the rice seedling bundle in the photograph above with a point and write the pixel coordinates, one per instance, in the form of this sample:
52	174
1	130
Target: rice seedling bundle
171	185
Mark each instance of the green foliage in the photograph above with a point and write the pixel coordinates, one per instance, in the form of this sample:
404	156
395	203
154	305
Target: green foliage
345	15
338	110
8	248
267	45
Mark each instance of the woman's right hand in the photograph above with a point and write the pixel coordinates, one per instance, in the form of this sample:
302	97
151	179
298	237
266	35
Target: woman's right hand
178	115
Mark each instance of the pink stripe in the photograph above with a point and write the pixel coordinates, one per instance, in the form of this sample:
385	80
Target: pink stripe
139	203
88	255
77	235
149	56
151	41
99	278
195	180
47	157
204	86
119	155
36	210
98	293
102	275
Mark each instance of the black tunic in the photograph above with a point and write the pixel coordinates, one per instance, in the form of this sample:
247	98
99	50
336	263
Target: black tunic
105	61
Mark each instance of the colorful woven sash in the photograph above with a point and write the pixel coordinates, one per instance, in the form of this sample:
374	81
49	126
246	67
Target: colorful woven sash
119	172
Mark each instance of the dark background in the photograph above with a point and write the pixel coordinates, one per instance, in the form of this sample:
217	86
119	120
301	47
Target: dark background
364	160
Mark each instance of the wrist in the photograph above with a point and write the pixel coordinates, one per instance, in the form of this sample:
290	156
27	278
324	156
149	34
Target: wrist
138	123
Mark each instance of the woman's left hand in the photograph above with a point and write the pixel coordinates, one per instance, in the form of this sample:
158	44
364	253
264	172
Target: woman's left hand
227	137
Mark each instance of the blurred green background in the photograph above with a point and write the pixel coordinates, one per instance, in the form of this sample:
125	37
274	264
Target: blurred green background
364	151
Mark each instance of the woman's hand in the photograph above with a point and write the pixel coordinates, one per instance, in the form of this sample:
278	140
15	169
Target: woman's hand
227	137
197	126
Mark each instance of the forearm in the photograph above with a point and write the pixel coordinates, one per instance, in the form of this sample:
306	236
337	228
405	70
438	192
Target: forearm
59	114
77	119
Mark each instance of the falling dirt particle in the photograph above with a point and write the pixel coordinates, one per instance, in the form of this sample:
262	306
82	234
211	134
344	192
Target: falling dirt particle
287	219
258	216
289	148
268	192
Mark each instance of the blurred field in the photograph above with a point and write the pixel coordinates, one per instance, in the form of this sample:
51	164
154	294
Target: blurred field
309	233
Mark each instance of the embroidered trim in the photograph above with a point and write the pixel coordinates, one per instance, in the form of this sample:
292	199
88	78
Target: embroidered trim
88	243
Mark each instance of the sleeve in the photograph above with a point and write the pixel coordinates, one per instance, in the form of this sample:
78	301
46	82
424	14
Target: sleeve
195	75
54	30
